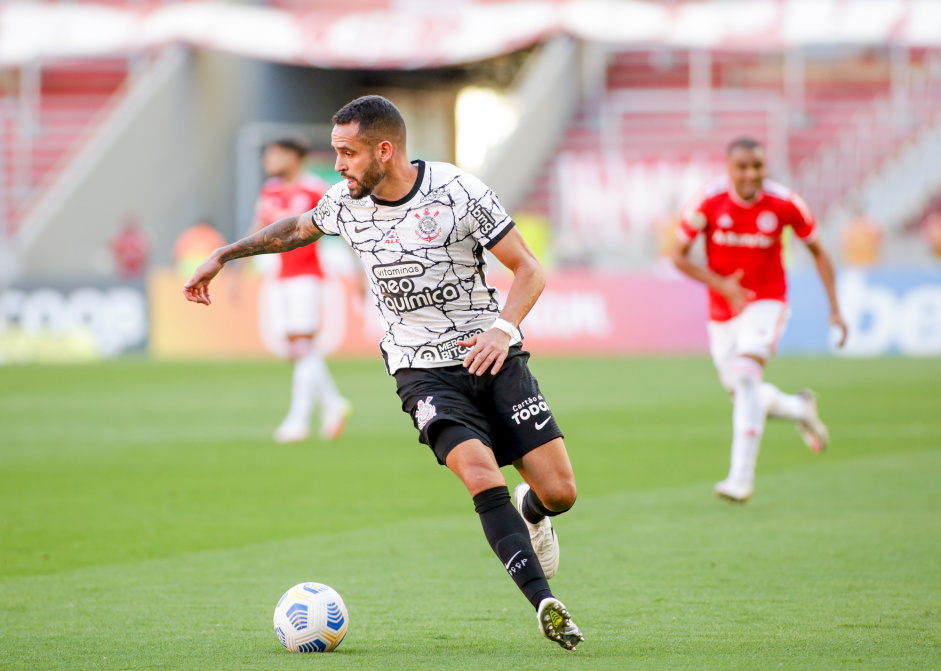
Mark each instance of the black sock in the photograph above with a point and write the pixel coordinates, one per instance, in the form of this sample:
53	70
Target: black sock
509	538
533	509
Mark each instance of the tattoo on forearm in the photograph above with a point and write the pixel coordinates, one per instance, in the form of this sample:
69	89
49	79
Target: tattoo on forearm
281	236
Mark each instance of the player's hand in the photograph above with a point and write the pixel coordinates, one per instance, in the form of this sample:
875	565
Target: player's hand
734	293
488	350
836	319
197	289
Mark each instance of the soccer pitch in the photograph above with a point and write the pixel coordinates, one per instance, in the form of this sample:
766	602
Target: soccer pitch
148	521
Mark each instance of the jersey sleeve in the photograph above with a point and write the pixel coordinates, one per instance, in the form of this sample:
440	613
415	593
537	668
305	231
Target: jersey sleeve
326	213
802	221
693	219
479	213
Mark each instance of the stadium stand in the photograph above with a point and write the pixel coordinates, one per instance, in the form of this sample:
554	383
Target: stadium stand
839	122
649	114
41	130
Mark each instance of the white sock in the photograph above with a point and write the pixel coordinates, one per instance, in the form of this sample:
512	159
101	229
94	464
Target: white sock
327	393
779	405
748	419
304	388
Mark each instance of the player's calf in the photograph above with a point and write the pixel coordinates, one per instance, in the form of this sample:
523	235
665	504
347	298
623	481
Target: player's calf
811	427
508	536
541	533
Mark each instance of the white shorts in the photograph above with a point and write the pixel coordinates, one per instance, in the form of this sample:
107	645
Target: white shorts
755	331
295	304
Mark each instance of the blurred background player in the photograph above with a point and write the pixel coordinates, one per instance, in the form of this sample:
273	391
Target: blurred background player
295	295
742	217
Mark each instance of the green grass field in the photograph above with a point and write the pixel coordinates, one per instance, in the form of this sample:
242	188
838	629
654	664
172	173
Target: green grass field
147	521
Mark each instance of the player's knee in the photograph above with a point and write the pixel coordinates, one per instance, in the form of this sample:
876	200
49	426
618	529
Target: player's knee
727	378
746	373
561	496
728	383
479	480
300	346
477	474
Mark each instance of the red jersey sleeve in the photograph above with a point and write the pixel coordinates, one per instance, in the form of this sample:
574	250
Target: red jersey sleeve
802	221
692	219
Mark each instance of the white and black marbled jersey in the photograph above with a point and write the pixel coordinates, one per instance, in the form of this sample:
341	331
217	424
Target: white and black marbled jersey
424	256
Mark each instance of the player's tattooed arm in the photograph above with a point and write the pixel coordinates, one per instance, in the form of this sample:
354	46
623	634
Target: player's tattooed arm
281	236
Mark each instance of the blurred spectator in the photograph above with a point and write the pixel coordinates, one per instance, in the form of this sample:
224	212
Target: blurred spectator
862	240
130	248
932	227
665	230
194	245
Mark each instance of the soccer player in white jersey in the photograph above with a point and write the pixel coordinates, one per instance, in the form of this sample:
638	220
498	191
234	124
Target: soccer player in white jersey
742	217
420	229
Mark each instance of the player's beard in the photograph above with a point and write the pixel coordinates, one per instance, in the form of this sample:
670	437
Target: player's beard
364	185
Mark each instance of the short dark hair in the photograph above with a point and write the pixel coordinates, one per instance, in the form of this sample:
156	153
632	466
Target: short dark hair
377	117
296	145
744	142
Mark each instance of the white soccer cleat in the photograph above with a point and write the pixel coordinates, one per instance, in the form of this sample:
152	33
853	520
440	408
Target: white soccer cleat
542	535
556	624
812	430
292	430
334	419
737	492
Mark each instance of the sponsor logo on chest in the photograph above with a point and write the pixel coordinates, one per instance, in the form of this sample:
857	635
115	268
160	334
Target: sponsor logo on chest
749	240
400	293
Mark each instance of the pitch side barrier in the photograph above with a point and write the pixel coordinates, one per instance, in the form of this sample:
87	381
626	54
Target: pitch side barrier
63	322
889	311
581	313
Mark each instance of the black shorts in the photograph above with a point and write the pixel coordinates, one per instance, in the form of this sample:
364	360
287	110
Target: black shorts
506	411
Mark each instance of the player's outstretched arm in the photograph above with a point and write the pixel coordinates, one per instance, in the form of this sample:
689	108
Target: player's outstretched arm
828	277
730	286
490	348
281	236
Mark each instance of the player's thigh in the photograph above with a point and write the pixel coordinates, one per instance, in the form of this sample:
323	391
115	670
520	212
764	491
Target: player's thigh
762	324
476	466
440	409
548	470
300	300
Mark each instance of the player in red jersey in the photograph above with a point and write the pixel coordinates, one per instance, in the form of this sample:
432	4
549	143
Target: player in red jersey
295	295
742	217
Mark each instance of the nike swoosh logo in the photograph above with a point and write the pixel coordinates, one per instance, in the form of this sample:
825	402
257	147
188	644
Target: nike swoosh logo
511	560
539	425
364	228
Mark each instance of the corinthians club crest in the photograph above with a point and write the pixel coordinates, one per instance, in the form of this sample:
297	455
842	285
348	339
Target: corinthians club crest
425	412
428	227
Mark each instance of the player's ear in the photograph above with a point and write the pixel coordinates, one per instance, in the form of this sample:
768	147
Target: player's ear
385	150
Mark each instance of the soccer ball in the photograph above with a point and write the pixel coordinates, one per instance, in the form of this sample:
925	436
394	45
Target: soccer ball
311	617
